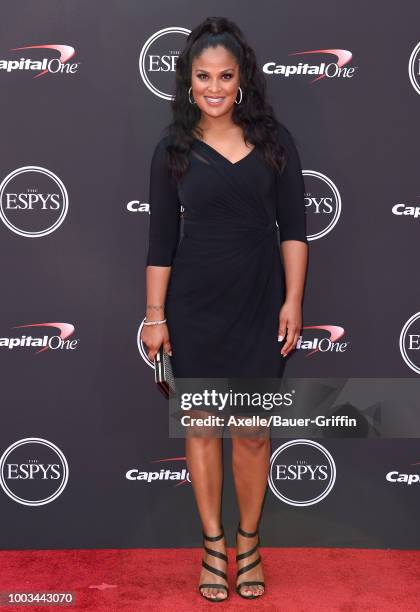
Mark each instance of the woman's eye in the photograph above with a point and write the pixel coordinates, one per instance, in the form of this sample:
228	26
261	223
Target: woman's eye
229	76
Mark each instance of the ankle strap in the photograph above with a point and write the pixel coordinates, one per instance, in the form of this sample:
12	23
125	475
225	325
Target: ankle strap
214	538
248	534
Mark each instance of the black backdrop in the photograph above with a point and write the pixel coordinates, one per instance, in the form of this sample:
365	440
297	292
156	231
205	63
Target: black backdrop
82	419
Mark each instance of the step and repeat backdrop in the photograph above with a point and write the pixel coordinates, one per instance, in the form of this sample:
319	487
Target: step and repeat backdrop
86	459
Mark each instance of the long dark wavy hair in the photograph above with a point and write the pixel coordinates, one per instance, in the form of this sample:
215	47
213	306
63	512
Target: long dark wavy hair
253	114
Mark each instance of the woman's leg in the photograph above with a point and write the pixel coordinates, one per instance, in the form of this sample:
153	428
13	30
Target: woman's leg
205	465
250	465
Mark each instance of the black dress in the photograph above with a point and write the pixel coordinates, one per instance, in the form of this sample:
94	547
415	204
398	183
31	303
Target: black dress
226	286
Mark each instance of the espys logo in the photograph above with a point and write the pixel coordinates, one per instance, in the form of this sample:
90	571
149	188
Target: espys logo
324	344
56	342
33	201
414	68
163	475
302	473
45	65
157	60
396	477
410	342
33	472
322	202
331	70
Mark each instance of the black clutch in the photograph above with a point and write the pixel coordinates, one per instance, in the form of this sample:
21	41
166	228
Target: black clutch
164	376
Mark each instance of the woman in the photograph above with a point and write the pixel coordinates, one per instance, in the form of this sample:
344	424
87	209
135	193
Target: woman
218	300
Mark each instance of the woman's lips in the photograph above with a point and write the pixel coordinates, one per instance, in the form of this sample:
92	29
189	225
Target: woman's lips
214	101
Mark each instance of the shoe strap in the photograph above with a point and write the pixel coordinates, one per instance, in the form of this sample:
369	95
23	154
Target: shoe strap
214	570
213	585
248	567
247	534
246	554
214	538
216	553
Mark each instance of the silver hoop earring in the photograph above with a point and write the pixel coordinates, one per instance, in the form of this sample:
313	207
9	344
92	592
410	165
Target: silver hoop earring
189	97
240	90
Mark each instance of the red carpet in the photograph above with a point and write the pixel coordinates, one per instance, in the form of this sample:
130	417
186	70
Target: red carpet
298	579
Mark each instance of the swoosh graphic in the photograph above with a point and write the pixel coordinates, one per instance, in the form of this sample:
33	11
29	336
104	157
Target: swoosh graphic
343	57
173	459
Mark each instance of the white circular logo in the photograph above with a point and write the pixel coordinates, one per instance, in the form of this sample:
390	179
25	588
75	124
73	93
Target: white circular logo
322	203
33	201
33	471
157	60
414	68
410	342
302	472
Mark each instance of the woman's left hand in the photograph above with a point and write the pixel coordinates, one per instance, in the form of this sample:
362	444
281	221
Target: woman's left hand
290	319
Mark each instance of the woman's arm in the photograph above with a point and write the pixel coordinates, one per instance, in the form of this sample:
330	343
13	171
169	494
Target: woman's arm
291	219
295	258
157	279
163	241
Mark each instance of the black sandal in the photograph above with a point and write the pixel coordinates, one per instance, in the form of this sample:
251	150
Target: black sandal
214	570
244	569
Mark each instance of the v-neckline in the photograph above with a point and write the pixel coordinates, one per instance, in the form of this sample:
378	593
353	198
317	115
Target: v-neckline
222	156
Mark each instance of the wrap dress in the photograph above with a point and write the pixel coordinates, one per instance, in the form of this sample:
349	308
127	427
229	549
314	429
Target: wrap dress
226	285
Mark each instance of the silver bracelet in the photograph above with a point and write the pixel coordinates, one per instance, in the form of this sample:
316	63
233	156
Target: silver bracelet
153	322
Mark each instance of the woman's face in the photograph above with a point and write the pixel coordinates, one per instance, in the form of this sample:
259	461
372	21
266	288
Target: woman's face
215	81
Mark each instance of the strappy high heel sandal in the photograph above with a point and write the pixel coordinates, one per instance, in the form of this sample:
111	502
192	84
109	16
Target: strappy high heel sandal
214	570
246	568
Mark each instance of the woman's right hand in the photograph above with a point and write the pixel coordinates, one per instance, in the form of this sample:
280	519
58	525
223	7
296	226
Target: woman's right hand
153	336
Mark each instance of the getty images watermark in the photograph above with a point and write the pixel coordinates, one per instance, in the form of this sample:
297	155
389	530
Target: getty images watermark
211	399
290	407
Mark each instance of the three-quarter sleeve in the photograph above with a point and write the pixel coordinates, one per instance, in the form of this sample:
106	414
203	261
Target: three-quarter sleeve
290	202
164	223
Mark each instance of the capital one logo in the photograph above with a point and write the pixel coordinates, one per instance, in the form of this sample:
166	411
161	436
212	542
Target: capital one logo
45	65
334	69
30	340
322	203
410	342
414	68
404	478
157	60
136	206
33	201
165	474
33	471
302	472
406	210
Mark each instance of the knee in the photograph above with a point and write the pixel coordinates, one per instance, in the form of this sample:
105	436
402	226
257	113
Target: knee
250	444
201	428
203	438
